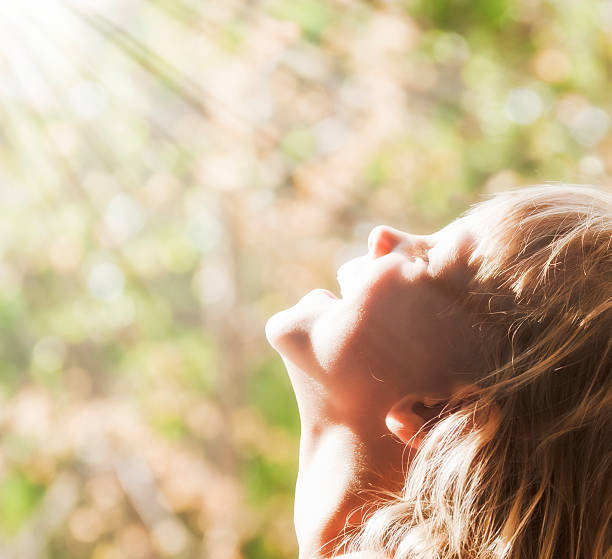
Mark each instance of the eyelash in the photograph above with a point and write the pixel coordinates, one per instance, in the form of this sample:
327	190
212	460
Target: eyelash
423	253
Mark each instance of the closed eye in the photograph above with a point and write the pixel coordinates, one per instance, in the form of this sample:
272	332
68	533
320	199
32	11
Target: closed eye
421	251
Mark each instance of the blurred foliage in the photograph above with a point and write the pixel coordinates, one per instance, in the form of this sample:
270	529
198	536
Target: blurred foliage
174	172
18	497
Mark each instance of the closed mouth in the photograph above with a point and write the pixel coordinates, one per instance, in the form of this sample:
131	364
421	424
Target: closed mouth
330	294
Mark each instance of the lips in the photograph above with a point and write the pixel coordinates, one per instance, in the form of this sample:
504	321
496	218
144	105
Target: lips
330	294
316	294
348	275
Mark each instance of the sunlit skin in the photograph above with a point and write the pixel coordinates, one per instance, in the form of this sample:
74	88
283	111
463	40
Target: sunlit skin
363	365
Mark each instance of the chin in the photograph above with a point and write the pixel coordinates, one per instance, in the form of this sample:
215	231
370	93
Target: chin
289	331
276	329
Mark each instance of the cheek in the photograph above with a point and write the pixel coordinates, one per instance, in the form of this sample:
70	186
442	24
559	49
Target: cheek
363	333
405	334
334	338
392	309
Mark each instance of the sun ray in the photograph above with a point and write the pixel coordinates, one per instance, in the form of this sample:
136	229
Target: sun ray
39	142
167	74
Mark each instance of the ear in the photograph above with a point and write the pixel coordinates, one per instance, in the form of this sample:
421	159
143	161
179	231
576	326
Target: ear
411	417
408	419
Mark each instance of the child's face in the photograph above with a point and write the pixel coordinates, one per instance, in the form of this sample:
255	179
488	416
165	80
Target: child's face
396	328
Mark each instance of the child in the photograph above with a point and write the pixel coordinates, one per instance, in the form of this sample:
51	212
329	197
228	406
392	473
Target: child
456	402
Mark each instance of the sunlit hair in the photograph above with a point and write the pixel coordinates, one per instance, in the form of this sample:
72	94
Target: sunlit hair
521	466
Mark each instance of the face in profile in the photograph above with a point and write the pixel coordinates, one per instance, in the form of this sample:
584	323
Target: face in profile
398	326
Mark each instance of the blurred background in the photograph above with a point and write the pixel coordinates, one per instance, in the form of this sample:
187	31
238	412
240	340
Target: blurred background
173	172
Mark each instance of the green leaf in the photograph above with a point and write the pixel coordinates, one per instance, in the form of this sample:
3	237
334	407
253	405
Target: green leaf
270	391
260	548
313	16
263	478
18	497
298	144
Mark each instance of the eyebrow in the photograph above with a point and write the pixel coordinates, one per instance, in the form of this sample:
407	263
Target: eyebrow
454	278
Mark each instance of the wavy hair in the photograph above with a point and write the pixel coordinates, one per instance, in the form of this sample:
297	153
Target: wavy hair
520	467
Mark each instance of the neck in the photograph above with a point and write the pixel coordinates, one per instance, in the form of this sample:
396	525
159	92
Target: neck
344	468
348	458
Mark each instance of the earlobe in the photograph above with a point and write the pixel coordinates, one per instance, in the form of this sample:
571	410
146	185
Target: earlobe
409	418
403	427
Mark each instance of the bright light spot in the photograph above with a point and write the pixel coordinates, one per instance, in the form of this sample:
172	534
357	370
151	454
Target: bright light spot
205	419
10	280
160	188
176	254
451	48
135	542
105	491
48	354
31	414
502	180
88	100
102	321
108	551
170	536
422	75
392	33
491	119
85	525
259	107
65	253
64	137
592	165
569	106
222	171
205	231
45	8
124	217
105	281
523	106
605	15
552	65
212	285
120	313
331	134
353	94
589	125
99	186
308	63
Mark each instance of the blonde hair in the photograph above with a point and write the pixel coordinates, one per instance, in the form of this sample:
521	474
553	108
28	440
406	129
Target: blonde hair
521	467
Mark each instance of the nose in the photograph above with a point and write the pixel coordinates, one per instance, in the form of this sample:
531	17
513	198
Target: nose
382	240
